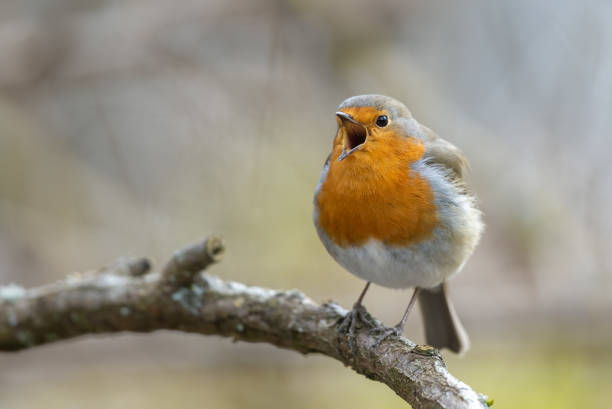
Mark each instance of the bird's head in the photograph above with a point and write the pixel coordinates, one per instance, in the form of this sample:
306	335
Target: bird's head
370	124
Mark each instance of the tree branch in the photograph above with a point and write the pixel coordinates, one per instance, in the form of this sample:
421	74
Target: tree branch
127	297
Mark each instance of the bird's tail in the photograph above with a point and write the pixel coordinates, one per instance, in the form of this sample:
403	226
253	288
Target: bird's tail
442	326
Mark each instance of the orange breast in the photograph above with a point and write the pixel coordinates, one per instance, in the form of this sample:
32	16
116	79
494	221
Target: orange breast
373	193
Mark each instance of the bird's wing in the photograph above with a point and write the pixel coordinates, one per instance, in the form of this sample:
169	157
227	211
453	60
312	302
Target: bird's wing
444	153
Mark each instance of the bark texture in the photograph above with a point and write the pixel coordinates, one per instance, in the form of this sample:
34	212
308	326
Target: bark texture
128	297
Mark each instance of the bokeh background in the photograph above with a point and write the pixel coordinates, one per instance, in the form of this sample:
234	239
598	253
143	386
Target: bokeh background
136	127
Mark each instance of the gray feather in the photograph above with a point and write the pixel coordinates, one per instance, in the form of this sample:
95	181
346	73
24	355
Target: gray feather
442	326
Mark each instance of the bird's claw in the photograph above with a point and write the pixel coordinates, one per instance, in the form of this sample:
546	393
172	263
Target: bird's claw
348	325
384	333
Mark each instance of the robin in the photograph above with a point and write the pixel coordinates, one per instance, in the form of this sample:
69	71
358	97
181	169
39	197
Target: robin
392	208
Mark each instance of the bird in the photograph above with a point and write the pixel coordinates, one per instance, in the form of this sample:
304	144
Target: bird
392	207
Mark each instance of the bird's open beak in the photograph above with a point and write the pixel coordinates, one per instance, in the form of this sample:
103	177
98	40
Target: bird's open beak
355	134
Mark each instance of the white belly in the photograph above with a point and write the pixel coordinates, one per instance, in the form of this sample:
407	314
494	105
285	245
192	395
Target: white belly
417	265
391	267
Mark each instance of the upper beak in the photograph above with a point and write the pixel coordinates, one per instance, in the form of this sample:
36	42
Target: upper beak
355	132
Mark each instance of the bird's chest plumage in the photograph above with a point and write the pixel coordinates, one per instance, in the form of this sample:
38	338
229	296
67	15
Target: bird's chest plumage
369	197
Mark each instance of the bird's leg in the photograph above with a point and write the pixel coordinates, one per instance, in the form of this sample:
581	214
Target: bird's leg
399	328
358	313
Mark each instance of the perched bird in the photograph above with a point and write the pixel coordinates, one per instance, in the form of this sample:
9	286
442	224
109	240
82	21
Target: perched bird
391	207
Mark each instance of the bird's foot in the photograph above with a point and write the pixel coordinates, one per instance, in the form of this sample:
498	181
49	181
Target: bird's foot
386	332
348	325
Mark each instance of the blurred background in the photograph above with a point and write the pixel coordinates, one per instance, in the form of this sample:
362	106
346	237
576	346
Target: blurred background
136	127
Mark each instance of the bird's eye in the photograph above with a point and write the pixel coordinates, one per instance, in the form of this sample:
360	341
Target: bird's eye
382	121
